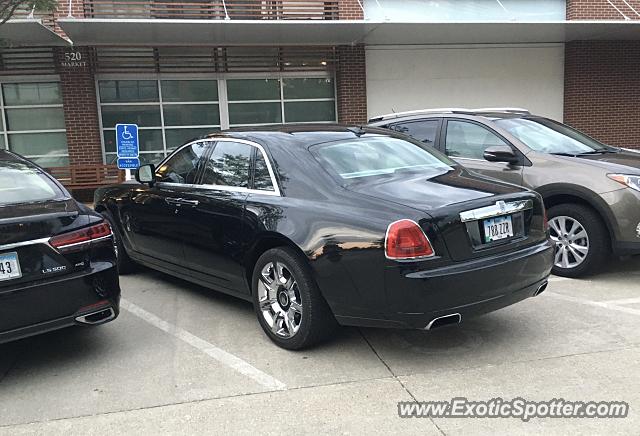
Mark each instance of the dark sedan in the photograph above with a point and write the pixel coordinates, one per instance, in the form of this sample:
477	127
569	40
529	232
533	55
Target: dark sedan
323	224
57	256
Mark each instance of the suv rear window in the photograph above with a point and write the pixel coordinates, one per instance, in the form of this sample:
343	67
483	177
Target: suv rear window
380	155
23	183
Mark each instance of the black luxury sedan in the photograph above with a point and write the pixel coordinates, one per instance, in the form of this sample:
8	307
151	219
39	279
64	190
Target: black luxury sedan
57	256
326	225
591	190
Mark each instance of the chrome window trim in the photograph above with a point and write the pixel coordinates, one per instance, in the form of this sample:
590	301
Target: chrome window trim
497	209
25	243
276	192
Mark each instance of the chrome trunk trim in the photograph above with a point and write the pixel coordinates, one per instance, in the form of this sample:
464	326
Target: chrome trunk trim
500	208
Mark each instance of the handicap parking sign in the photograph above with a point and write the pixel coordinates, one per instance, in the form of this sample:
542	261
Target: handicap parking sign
128	146
127	140
128	163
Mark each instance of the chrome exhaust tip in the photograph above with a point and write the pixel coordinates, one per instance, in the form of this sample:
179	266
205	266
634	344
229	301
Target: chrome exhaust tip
452	318
97	317
541	289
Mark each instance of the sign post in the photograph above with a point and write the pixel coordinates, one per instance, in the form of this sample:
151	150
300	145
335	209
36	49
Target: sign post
128	147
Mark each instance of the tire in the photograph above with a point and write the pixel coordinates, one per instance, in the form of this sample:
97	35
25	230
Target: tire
596	240
124	262
303	317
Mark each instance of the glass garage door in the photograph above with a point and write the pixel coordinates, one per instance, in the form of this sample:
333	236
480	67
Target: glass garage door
44	142
169	112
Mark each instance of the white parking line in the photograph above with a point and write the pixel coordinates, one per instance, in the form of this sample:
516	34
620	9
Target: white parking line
211	350
603	304
623	301
558	279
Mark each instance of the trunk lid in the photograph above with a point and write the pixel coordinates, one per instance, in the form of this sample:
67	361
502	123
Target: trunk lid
445	197
24	233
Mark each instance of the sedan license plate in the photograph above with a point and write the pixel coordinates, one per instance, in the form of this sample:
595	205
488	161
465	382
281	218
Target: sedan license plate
9	266
497	228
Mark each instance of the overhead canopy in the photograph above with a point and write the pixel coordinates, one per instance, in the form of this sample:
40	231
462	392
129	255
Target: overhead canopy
163	32
30	32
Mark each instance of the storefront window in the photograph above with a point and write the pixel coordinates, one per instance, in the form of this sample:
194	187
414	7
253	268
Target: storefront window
275	101
170	112
45	140
167	112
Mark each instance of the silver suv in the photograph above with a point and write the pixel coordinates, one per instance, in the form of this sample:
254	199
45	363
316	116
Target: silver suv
591	190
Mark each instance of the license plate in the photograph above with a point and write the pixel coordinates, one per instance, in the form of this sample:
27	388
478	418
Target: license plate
9	266
497	228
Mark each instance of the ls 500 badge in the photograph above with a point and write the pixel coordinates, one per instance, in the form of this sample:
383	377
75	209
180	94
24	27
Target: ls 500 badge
54	269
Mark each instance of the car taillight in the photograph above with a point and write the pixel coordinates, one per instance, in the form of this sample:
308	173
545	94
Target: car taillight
78	238
545	219
406	240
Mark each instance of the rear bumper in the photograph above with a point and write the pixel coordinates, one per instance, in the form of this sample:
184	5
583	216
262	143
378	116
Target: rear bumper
88	298
416	297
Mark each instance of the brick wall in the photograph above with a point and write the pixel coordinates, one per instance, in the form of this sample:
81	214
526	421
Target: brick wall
77	11
602	90
351	84
350	10
602	10
80	106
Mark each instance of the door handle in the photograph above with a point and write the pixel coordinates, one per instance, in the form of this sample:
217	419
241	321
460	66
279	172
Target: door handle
182	202
192	203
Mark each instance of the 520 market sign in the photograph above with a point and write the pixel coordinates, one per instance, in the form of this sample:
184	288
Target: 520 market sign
73	59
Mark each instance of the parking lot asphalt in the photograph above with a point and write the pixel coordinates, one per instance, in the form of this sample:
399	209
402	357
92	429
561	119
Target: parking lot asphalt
184	359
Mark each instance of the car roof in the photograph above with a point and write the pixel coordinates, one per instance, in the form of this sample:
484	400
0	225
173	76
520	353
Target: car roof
6	155
440	112
303	135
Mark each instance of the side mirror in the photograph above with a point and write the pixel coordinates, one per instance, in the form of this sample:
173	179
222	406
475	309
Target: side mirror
501	153
146	174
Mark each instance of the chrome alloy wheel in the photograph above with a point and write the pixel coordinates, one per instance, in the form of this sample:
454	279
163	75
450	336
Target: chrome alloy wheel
279	299
572	241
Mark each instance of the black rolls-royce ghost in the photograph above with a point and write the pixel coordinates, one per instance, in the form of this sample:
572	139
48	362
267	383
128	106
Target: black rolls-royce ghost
57	256
323	224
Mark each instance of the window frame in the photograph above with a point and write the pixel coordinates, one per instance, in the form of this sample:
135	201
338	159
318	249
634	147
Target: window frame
439	126
205	154
160	104
223	101
6	133
213	141
443	141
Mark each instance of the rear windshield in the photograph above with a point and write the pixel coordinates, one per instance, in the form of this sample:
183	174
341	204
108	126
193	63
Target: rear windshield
380	155
21	183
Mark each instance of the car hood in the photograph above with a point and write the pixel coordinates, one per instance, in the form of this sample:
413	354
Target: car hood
624	162
429	193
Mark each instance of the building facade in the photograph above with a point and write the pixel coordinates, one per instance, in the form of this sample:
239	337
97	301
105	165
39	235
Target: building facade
182	69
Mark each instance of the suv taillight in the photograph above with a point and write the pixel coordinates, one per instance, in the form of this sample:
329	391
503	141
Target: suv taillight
405	240
77	239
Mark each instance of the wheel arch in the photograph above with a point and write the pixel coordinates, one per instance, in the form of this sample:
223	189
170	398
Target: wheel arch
263	243
561	193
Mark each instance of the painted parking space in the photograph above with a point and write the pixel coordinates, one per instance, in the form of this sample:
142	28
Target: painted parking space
183	357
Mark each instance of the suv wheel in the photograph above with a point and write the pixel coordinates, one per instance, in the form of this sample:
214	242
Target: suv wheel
287	301
581	239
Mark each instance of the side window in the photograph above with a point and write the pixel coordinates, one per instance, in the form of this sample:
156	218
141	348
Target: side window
423	131
468	140
183	166
261	177
228	165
